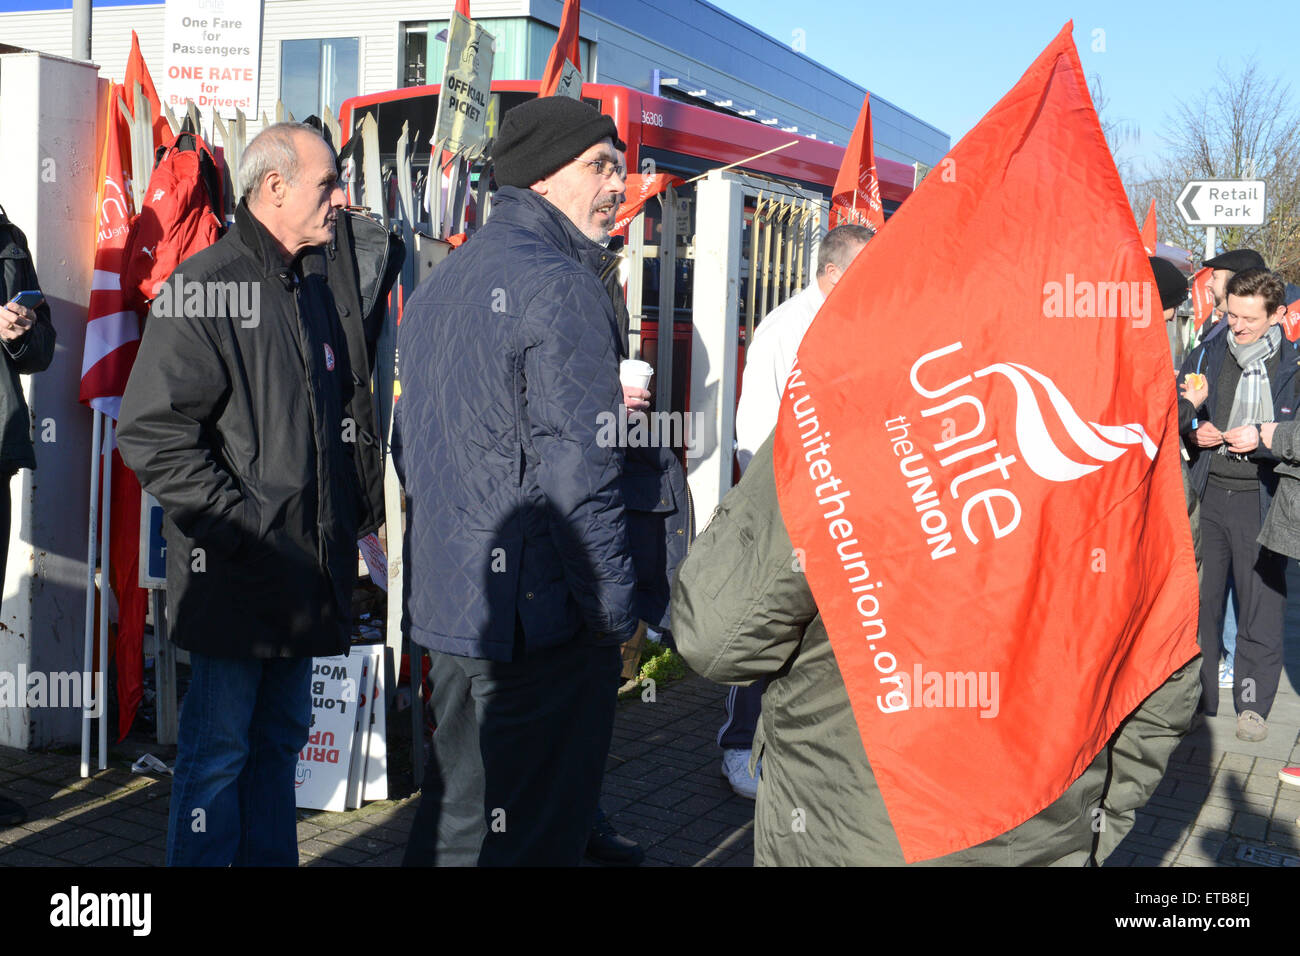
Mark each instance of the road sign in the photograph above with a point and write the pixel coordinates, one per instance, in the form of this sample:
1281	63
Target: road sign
1222	202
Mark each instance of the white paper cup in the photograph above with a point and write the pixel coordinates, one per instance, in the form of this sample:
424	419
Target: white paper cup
634	373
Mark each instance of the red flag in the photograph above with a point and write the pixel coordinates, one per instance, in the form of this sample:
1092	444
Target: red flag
112	339
138	71
1291	321
991	511
640	189
112	329
566	49
462	7
1202	296
856	197
1149	230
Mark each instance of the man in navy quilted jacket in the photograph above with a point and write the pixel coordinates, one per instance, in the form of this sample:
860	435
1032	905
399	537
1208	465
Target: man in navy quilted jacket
519	577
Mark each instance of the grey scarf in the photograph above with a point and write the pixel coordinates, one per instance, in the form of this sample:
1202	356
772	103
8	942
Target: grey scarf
1253	401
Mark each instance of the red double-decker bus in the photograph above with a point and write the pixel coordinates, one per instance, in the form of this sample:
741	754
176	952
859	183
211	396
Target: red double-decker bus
680	138
677	137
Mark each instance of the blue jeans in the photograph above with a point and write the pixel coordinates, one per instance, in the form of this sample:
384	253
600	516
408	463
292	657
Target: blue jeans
242	725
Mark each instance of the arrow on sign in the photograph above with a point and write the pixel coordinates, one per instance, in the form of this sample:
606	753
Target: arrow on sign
1185	201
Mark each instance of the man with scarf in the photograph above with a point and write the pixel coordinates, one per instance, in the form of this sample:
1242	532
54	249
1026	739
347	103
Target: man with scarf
1249	379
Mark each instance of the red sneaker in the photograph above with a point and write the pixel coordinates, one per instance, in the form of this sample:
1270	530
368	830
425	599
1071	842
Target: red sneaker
1290	775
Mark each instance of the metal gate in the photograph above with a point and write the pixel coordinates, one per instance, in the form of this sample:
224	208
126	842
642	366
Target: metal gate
746	264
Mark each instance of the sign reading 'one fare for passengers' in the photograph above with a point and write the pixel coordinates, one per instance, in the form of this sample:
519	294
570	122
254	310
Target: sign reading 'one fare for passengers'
211	54
463	105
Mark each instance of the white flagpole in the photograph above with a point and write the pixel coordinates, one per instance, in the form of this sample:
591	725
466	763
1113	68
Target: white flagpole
91	538
105	525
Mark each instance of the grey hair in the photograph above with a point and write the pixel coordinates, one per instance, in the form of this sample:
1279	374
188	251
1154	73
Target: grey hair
840	245
271	150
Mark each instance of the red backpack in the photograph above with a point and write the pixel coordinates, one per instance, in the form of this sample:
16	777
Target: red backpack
180	217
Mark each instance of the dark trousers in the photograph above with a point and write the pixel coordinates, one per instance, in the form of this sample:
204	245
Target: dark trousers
744	707
518	756
1230	523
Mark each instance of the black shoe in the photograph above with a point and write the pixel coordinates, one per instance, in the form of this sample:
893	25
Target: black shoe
607	845
11	814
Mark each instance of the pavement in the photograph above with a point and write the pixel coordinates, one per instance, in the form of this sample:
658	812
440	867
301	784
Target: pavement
1220	804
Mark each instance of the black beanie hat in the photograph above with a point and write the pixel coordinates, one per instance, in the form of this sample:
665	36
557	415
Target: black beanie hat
539	136
1170	283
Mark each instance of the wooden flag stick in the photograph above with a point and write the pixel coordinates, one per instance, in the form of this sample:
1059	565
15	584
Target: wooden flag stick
741	162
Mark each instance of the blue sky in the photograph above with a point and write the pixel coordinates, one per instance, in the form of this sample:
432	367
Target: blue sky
948	62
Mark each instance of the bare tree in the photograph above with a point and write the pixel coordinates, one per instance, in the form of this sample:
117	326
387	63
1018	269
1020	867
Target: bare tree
1244	127
1119	131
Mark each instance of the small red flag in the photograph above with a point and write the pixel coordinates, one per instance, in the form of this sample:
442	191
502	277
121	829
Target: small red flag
856	196
1149	230
112	339
566	49
990	511
462	7
138	71
1291	321
112	327
640	189
1202	296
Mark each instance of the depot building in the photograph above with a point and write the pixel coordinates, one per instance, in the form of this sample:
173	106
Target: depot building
311	55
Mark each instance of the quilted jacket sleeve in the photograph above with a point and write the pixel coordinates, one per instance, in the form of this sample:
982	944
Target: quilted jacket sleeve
573	388
165	431
741	601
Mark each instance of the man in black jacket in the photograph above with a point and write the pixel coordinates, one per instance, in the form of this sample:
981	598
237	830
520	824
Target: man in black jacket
246	417
1249	374
28	339
520	578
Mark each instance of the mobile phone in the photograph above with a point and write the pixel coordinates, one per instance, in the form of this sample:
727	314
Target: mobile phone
28	300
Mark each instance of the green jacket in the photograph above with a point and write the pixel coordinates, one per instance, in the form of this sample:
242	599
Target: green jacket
743	612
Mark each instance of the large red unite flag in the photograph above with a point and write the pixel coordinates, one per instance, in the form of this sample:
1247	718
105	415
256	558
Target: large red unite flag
988	495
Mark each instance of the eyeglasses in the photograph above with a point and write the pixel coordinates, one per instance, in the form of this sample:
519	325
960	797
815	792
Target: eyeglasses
604	167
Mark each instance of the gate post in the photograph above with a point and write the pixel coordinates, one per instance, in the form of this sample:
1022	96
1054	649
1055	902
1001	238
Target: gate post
715	339
49	107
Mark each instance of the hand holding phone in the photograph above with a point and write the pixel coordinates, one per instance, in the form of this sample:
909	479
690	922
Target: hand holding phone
28	300
17	317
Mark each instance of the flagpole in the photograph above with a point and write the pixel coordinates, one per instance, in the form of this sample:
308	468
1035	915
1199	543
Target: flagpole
91	541
741	162
105	525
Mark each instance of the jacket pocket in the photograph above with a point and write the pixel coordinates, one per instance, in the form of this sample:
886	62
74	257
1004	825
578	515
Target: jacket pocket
742	565
649	492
